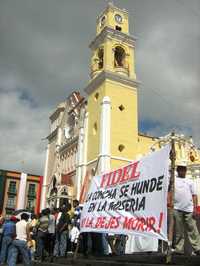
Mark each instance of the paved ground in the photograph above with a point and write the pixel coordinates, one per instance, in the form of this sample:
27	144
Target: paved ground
126	260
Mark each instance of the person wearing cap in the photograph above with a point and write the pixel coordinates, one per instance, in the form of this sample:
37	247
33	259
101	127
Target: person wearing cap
9	233
185	206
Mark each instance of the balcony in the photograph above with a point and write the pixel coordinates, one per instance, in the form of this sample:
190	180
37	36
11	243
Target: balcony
12	191
121	70
10	207
11	202
30	206
31	194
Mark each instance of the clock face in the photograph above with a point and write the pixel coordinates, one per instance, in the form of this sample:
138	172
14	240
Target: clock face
118	18
103	20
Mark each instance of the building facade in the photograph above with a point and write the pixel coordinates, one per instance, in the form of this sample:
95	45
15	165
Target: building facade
62	151
97	133
19	191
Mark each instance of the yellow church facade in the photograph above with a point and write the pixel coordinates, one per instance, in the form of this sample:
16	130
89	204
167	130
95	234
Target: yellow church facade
98	133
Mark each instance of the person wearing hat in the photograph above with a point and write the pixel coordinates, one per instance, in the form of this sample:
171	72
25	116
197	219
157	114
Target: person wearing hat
9	233
185	206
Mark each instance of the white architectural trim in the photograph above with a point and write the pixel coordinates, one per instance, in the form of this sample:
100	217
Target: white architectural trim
59	139
103	75
85	141
79	159
92	161
22	192
114	34
104	154
45	185
122	159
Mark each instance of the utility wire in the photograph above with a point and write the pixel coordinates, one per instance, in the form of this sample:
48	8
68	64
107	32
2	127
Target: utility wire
158	94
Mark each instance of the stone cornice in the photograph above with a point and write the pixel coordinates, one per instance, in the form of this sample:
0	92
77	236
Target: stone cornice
69	144
52	134
98	80
141	134
114	34
56	113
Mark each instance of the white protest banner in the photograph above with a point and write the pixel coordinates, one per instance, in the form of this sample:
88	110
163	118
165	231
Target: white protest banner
131	199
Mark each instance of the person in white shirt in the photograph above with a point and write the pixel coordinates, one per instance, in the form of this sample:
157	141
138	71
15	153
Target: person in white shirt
51	233
74	235
20	243
185	206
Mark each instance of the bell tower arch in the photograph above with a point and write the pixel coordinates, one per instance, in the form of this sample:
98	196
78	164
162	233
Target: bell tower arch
113	47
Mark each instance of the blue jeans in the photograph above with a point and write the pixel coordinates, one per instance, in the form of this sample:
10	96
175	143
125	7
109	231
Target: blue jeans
6	241
105	245
41	244
18	246
61	244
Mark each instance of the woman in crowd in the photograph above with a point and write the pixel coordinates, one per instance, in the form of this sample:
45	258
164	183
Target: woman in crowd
42	234
62	232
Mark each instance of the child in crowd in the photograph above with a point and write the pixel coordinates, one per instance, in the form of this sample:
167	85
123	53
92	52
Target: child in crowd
32	248
74	235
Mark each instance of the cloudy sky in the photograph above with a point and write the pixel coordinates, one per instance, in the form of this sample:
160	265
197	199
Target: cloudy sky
44	55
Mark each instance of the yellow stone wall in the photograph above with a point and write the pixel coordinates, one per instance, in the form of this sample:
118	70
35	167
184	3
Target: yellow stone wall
94	116
144	144
124	124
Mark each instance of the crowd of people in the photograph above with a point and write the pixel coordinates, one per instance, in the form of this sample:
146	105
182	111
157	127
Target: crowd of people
52	234
56	232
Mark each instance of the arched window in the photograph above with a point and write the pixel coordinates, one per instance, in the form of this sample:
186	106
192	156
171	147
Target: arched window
119	57
54	189
100	57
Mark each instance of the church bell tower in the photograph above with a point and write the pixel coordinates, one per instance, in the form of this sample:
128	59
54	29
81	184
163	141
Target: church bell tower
112	93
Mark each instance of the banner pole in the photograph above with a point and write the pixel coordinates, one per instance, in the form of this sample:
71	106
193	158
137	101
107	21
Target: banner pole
171	199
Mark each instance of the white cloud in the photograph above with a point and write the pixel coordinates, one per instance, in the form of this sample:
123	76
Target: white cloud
22	130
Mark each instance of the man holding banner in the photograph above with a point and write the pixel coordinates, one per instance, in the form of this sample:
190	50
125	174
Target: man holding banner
185	203
131	199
